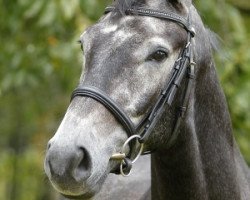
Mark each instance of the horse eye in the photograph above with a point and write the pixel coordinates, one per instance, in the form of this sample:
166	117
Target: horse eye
158	56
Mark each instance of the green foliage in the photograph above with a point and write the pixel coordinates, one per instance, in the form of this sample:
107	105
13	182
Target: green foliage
40	62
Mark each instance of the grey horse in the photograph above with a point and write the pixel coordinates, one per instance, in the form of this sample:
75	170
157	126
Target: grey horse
130	58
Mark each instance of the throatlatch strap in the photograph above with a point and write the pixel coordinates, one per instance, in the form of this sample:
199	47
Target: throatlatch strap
185	100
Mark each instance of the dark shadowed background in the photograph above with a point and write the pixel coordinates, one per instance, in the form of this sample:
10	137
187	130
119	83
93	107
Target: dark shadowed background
40	63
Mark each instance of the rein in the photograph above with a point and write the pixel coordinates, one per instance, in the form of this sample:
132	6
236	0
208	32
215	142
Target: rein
184	67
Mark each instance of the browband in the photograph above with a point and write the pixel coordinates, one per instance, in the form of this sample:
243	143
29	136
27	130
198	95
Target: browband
157	14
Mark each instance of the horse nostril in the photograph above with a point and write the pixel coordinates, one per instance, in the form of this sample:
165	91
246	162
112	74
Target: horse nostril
82	170
67	165
49	144
83	165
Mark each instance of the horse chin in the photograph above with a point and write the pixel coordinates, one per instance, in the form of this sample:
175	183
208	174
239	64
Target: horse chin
80	193
85	196
86	190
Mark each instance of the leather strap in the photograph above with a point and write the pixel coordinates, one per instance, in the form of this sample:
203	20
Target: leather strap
101	97
186	96
180	69
183	107
157	14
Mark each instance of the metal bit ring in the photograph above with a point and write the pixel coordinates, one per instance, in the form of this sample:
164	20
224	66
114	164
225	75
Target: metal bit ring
138	137
128	164
125	160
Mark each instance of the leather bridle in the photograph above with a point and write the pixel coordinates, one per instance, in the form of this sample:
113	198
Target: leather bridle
184	67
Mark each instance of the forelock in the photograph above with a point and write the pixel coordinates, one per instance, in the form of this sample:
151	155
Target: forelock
123	5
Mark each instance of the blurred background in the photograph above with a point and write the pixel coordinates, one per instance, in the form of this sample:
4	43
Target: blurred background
40	63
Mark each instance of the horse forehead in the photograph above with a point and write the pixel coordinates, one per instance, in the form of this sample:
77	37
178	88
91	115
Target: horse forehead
125	28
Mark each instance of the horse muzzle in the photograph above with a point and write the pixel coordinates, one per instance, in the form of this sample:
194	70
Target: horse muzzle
67	168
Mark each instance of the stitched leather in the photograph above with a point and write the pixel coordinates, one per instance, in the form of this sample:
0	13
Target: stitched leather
157	14
101	97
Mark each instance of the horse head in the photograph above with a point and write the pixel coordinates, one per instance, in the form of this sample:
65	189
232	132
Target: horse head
129	58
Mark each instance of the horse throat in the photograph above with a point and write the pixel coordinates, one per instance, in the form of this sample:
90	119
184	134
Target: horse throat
201	164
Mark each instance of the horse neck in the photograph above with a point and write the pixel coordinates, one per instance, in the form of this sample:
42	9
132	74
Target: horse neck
201	164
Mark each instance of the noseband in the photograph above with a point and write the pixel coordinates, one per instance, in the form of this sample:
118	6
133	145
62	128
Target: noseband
184	67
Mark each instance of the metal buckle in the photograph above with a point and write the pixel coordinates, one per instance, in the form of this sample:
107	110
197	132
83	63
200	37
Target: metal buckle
188	44
122	155
192	31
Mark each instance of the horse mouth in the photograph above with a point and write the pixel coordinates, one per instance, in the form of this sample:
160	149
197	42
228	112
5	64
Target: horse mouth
83	196
79	191
84	189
